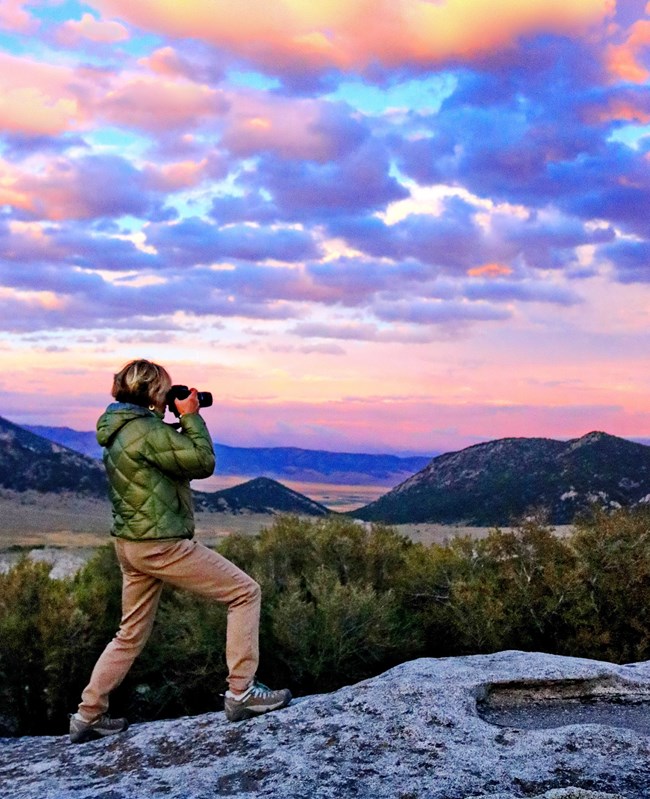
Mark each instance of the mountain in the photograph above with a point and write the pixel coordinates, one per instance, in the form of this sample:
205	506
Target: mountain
496	482
84	442
307	465
30	462
260	495
284	463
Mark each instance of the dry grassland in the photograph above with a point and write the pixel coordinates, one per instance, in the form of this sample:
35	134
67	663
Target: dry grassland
34	520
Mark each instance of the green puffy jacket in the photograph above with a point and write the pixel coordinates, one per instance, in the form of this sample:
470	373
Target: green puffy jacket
149	466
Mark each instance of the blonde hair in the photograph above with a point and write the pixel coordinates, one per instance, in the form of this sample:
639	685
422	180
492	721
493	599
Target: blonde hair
142	383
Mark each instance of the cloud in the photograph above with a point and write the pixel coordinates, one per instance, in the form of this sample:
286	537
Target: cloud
625	60
15	17
631	260
489	270
90	187
355	331
449	240
36	98
358	182
436	312
251	206
290	128
523	291
303	36
193	241
354	281
611	186
156	104
90	29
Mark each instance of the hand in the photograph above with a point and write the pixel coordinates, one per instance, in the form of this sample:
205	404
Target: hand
189	404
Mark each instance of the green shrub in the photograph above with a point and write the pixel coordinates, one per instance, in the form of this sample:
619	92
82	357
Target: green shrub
329	633
613	550
37	629
341	602
329	615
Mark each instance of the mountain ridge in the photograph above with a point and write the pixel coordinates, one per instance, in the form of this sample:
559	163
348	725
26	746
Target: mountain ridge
29	461
289	463
495	482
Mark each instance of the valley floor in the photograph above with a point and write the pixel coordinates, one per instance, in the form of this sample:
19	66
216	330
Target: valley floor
65	530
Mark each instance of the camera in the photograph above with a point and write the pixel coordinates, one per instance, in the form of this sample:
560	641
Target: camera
183	392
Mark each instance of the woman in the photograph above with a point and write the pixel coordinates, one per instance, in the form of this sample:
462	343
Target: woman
149	466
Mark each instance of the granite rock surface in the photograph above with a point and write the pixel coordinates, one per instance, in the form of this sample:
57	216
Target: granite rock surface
427	729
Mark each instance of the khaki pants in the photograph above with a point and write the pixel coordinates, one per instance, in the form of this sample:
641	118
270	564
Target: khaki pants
146	565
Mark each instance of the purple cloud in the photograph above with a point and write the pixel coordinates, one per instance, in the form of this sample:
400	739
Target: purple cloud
355	184
194	241
501	290
450	241
631	260
438	313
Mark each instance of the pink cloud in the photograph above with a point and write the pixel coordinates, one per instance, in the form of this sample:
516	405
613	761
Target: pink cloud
13	16
176	176
65	189
37	98
292	128
349	34
165	61
88	28
157	104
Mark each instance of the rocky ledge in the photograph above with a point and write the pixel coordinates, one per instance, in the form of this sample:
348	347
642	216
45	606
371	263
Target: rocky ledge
511	724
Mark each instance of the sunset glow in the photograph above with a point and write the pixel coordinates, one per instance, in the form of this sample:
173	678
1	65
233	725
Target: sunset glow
379	226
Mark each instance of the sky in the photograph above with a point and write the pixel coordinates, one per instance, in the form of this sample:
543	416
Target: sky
365	225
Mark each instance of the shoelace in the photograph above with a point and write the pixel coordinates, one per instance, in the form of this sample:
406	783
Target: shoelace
257	689
260	690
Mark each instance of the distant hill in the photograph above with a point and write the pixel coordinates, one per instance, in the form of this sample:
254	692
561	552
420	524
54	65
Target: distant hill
261	495
495	482
83	442
30	462
283	463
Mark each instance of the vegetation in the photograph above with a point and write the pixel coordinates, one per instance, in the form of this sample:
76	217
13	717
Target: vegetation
341	603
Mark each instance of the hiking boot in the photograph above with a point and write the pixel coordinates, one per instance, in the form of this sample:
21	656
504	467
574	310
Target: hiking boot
81	731
255	701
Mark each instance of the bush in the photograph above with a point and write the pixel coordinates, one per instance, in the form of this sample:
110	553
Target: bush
329	612
38	623
613	551
341	602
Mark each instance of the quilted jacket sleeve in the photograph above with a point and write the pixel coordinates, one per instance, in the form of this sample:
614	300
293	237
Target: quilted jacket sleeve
188	454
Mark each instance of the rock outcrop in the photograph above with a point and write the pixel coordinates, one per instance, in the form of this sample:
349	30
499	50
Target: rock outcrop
506	725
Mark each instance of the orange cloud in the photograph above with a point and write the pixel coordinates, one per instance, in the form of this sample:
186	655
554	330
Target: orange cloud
178	176
36	98
11	193
354	33
164	61
100	31
489	270
623	60
627	110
